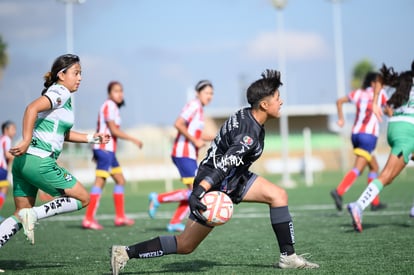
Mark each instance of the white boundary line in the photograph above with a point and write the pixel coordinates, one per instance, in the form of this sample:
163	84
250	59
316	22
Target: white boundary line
244	213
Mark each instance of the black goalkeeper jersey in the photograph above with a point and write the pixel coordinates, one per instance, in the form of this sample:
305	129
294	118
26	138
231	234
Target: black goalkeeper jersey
237	145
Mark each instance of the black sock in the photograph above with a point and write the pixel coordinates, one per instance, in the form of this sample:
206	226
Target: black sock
283	228
285	237
156	247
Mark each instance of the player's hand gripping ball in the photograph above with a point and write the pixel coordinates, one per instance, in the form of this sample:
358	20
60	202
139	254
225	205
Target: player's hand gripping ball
219	208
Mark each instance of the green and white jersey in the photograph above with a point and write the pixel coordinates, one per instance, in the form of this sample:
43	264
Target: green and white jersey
52	125
406	111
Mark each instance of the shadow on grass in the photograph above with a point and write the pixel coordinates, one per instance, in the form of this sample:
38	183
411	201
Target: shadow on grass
22	265
202	266
191	267
368	226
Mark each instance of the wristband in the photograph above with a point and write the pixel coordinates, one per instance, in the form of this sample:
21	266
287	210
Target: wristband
199	192
93	140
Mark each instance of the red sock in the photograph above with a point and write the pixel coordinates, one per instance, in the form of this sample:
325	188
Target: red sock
176	195
347	181
2	199
371	177
119	205
92	207
376	201
180	213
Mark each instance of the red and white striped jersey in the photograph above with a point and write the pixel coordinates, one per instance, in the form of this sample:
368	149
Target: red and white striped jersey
192	113
109	112
5	144
365	121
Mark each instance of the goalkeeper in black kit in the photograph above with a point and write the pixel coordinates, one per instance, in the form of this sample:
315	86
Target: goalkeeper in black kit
238	144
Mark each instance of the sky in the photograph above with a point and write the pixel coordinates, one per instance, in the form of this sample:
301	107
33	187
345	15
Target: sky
160	49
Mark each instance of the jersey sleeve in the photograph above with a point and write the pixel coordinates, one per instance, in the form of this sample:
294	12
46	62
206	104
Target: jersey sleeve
6	145
235	156
353	96
57	95
187	113
109	111
383	98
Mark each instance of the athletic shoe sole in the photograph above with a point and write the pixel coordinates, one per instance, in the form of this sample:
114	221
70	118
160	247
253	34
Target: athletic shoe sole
356	217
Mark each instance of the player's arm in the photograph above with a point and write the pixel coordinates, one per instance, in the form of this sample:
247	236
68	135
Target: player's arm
233	157
181	126
195	199
388	110
117	132
376	109
29	118
339	103
207	137
96	138
9	157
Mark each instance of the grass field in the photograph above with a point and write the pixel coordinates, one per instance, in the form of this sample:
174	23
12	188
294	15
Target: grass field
246	245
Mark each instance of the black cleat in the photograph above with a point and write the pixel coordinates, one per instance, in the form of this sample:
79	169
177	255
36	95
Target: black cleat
378	207
337	198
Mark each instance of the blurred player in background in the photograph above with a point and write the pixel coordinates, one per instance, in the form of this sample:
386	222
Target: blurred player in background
8	130
236	147
364	137
400	137
47	123
190	138
109	121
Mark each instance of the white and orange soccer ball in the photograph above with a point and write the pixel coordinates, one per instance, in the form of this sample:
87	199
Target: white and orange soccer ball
219	208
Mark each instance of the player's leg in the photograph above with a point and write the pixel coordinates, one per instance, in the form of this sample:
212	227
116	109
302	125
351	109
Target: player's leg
3	195
347	181
373	174
155	199
393	167
258	189
4	187
185	243
187	168
119	194
71	199
24	197
47	175
119	198
362	157
180	214
11	225
103	164
368	143
402	144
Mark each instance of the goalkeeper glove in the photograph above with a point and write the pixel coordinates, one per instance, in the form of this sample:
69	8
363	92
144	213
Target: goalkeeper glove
195	204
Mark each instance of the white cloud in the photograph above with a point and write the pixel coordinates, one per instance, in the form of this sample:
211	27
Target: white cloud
298	46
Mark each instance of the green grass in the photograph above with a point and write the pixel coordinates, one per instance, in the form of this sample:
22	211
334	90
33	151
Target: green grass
246	245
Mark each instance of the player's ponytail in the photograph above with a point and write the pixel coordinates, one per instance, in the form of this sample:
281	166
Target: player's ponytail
401	82
61	64
48	81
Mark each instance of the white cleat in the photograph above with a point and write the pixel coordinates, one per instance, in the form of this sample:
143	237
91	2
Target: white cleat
296	262
119	258
28	218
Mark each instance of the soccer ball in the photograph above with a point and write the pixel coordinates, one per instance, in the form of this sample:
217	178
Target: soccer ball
219	208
